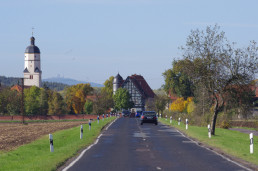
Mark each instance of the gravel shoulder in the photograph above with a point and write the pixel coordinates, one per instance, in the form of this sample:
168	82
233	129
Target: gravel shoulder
246	131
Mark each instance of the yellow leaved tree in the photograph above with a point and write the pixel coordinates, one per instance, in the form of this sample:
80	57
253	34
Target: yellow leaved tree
180	105
75	97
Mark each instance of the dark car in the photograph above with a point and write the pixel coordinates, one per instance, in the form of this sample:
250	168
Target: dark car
125	113
149	117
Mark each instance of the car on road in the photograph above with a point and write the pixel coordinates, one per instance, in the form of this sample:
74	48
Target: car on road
138	114
126	113
149	117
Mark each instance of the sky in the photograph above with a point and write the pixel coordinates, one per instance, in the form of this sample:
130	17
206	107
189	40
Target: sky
91	40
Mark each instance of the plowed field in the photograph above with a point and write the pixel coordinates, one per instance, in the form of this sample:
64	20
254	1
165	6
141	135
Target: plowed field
15	135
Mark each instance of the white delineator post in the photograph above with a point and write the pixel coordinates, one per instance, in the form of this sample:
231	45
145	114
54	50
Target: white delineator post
179	120
209	131
51	143
166	117
186	123
170	119
251	143
81	132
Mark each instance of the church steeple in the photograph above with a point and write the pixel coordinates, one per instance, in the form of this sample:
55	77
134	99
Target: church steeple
32	41
32	67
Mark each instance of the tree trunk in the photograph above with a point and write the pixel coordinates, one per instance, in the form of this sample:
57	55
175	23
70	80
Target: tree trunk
215	114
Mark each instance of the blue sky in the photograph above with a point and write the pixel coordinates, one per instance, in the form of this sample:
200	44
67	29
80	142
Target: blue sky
91	40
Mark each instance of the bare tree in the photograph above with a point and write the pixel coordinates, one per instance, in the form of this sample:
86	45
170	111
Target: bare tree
211	61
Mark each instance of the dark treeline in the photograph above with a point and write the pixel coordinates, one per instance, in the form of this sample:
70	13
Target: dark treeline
76	99
11	81
54	85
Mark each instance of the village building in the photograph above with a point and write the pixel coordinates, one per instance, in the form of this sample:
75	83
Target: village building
138	89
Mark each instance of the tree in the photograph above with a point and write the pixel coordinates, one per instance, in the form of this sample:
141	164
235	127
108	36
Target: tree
107	93
215	64
56	104
108	86
122	99
178	105
160	103
177	82
88	107
10	101
32	100
43	101
75	97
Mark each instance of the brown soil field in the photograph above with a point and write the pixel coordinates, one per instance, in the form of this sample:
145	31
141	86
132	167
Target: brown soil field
15	135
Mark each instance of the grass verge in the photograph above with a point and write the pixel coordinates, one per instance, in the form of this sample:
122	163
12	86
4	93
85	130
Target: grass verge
231	142
37	155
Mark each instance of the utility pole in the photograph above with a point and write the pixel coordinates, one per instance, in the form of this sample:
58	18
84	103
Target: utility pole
203	101
22	101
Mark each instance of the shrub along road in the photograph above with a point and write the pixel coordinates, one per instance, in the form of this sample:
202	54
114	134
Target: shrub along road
127	145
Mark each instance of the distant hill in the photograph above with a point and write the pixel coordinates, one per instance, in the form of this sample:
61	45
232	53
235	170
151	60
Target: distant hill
52	83
70	81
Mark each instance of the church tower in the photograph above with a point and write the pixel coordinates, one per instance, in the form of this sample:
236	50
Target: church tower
32	70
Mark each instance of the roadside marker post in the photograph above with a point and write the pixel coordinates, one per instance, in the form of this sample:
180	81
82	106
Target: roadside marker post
81	132
90	124
166	117
251	143
170	119
209	131
179	120
186	123
51	143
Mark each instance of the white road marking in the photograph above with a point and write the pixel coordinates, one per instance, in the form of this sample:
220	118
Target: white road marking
84	151
189	142
158	168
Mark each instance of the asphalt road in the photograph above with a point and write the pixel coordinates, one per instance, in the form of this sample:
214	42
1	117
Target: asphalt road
129	146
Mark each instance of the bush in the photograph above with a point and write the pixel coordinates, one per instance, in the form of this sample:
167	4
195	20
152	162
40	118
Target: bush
225	124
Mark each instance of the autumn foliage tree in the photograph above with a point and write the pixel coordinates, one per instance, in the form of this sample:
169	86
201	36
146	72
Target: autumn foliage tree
75	97
180	105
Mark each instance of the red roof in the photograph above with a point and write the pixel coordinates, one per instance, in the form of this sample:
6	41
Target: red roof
141	83
17	88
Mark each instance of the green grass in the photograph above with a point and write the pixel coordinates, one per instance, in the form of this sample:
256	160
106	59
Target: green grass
233	143
37	155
